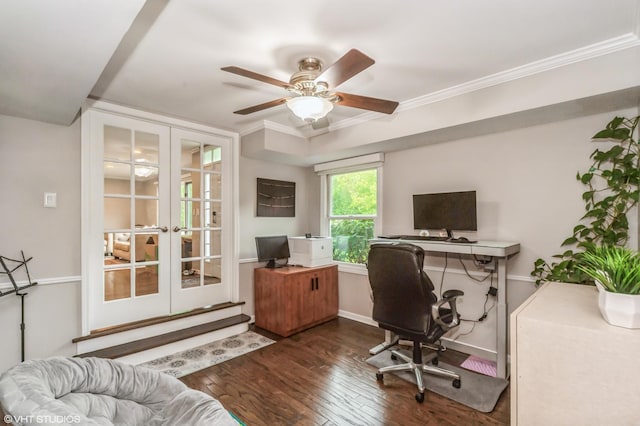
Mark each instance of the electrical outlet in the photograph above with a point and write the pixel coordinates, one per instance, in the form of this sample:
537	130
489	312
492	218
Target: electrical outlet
50	199
490	266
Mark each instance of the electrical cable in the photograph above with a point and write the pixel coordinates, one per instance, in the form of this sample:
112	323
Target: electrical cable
485	312
480	280
444	270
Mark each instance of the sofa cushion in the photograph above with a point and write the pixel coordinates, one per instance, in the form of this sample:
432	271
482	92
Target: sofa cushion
121	246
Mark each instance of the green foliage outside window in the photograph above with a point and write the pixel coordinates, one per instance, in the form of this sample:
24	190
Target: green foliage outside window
353	206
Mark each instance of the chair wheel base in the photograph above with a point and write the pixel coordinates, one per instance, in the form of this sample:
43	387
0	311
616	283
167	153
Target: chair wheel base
456	383
420	397
379	377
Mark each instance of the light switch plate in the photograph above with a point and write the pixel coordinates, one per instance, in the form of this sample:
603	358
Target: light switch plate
50	199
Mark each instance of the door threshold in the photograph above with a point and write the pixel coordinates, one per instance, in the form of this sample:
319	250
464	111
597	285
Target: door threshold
106	331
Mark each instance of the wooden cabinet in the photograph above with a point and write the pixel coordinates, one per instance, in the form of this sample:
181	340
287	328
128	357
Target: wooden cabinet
292	299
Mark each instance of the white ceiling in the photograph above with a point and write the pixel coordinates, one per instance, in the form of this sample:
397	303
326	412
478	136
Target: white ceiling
169	61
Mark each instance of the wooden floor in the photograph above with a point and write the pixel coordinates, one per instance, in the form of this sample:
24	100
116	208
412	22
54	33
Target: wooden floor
320	377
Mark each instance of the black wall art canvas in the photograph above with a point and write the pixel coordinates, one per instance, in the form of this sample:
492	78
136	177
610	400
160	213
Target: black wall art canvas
276	198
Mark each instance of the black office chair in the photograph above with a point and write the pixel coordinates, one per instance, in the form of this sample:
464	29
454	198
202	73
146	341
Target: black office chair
404	302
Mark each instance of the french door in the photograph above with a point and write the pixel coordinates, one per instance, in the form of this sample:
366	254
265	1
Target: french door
201	273
158	219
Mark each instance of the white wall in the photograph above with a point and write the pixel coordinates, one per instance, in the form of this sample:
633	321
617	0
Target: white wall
527	192
305	220
35	158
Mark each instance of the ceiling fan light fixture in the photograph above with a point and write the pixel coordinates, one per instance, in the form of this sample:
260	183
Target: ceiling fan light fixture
309	108
143	172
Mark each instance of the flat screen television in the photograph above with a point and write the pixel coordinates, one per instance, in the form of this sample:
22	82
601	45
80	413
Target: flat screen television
445	210
271	249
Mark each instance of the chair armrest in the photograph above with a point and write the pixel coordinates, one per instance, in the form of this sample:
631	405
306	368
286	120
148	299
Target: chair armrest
449	297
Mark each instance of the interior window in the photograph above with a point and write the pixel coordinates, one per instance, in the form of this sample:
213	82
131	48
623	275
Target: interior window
353	213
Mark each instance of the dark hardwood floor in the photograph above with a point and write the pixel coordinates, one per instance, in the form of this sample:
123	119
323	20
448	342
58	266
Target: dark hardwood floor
320	377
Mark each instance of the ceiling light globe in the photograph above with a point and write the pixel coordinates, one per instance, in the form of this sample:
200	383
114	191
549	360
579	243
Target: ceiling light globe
309	108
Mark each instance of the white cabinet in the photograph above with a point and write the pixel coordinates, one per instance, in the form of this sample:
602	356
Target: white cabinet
569	366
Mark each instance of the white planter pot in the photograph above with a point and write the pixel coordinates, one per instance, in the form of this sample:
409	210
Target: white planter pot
622	310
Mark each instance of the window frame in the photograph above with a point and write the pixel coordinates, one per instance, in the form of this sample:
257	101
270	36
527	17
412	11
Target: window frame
326	171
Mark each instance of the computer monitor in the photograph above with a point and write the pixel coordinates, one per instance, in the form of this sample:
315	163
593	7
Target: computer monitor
271	249
445	210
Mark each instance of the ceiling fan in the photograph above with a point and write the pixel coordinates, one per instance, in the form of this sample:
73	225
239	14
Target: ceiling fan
312	88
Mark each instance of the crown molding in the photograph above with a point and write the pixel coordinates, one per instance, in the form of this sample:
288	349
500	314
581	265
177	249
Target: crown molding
595	50
584	53
578	55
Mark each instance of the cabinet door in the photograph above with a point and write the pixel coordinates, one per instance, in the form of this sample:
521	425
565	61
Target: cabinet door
302	298
326	294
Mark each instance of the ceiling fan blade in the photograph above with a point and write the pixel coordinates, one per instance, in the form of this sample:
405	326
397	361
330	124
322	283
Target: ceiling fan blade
321	123
260	107
363	102
353	62
256	76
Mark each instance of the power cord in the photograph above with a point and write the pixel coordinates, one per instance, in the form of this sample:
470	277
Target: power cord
444	271
485	312
480	280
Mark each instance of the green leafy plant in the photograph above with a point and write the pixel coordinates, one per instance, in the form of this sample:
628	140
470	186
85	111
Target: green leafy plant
612	191
616	268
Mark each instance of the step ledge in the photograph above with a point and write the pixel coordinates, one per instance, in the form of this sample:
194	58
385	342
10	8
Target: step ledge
182	345
165	339
155	330
153	321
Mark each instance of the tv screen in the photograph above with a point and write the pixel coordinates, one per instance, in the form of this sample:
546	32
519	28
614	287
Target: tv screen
445	210
272	248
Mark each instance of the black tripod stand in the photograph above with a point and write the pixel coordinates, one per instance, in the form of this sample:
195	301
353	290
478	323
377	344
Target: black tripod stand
18	290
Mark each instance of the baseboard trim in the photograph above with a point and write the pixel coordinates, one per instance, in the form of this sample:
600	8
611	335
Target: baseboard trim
466	348
356	317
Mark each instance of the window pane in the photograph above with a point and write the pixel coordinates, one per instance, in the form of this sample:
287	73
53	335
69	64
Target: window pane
117	143
351	239
147	147
117	178
354	193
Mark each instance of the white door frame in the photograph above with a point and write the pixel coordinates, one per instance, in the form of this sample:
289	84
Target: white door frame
90	154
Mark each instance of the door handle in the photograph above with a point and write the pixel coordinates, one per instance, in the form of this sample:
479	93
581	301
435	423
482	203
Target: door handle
160	228
176	229
316	279
312	284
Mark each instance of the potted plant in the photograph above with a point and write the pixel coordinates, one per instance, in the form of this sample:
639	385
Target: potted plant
616	272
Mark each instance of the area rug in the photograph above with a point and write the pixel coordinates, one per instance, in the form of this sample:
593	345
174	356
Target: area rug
194	359
480	365
478	391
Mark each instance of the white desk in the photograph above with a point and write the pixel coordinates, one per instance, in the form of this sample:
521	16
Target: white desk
498	249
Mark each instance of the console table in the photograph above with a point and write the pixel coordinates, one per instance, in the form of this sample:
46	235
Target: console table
497	249
568	365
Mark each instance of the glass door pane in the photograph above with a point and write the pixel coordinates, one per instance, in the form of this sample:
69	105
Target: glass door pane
131	178
201	186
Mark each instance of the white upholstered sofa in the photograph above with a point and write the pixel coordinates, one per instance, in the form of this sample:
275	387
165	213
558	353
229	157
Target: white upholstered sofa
122	246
